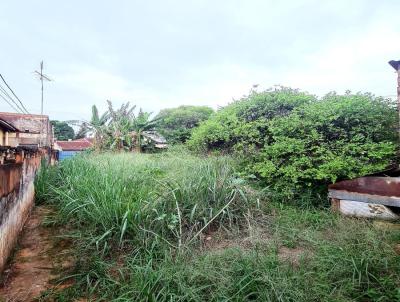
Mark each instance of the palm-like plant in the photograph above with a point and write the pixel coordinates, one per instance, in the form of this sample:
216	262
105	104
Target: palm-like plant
120	126
140	123
118	129
96	126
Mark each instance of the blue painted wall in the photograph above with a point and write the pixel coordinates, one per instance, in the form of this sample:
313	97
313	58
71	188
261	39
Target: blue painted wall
67	154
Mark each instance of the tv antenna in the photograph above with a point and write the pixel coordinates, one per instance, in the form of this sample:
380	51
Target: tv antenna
42	77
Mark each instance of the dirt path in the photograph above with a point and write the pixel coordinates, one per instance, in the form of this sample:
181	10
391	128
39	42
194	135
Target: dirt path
35	262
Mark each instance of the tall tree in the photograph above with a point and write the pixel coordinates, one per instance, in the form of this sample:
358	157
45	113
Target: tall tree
62	131
176	124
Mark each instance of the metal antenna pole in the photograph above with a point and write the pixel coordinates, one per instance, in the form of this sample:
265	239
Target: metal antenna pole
42	77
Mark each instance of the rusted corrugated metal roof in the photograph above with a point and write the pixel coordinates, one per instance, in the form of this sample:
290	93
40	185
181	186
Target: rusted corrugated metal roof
75	145
370	189
32	123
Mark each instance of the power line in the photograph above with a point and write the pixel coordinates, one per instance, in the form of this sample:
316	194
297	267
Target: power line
12	91
10	98
11	105
14	94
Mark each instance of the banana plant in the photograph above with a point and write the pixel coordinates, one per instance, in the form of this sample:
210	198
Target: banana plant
141	122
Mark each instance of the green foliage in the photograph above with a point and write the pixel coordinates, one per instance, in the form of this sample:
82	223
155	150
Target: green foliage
132	218
296	142
176	227
147	197
118	129
338	137
176	124
44	176
62	131
243	125
96	126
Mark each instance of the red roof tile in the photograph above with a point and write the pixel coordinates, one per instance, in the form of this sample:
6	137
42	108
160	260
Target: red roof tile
75	145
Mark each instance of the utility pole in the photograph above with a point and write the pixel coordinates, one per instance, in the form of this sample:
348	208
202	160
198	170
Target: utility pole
41	78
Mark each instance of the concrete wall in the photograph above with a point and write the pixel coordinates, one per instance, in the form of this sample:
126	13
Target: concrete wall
16	197
33	128
15	139
12	139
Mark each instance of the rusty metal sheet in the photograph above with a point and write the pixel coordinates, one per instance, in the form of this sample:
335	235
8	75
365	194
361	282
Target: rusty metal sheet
379	190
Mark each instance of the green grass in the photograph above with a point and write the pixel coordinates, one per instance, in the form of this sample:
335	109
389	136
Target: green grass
175	227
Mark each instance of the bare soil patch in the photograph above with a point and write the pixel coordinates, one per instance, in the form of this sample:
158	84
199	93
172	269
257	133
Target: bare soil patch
291	255
36	262
244	240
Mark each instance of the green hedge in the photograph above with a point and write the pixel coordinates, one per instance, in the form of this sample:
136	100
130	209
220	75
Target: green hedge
294	140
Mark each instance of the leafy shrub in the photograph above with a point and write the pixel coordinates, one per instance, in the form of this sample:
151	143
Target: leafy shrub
243	125
176	124
340	136
296	141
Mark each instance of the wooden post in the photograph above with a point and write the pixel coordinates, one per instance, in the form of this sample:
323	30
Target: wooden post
335	205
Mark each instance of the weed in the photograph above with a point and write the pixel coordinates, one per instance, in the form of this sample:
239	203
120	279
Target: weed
138	223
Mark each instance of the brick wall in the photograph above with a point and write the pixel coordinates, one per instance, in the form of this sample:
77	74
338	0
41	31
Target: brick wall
16	196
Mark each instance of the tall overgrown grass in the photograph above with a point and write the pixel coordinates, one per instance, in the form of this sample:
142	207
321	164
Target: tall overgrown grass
146	198
144	226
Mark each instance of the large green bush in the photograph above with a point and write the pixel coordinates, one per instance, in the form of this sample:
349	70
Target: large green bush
294	140
243	125
176	124
340	136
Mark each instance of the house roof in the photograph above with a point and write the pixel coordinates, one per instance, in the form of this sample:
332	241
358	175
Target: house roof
155	137
74	145
32	123
7	126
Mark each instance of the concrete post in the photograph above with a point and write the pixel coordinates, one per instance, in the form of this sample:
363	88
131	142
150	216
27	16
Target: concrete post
396	66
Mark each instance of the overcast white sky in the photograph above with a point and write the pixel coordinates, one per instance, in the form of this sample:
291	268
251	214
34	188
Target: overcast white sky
160	54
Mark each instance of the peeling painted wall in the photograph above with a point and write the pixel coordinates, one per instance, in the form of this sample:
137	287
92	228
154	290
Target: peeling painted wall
16	198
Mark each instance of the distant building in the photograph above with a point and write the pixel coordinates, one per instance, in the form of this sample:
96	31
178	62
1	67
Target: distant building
71	148
18	129
5	130
154	139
